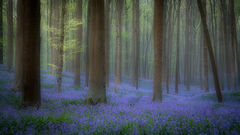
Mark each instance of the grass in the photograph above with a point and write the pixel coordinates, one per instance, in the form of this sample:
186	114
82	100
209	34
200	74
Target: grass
48	86
38	123
67	102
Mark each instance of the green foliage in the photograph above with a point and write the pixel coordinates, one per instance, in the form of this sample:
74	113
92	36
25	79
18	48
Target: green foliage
48	86
38	123
67	102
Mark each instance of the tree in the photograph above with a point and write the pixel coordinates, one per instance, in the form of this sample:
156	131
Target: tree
225	41
60	49
88	44
29	10
158	48
187	46
107	39
210	50
119	4
97	85
18	53
1	32
135	43
78	45
205	54
177	55
234	44
10	36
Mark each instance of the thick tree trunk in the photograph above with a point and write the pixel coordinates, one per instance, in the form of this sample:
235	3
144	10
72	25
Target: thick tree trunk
30	23
97	89
210	50
88	44
78	46
60	49
1	32
10	36
17	86
158	41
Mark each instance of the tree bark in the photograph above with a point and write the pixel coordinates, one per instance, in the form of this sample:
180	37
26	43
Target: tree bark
78	45
88	44
60	49
234	44
119	5
177	55
17	86
97	89
107	39
158	48
30	23
1	32
10	36
210	50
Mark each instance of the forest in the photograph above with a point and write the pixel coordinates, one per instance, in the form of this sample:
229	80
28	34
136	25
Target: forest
140	67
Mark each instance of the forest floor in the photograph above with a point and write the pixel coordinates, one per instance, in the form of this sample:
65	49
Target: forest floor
129	111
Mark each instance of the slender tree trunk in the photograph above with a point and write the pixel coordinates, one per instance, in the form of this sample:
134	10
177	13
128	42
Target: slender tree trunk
78	45
210	50
30	23
107	39
233	43
126	44
205	54
88	44
133	56
1	32
178	40
55	34
225	39
119	48
97	89
137	43
187	47
60	49
158	41
10	36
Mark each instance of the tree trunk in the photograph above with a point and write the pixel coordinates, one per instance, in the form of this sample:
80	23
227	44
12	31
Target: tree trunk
30	23
158	41
119	48
133	56
88	44
205	55
233	43
225	39
107	39
210	50
97	89
1	32
17	86
137	43
78	45
177	55
10	36
60	49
